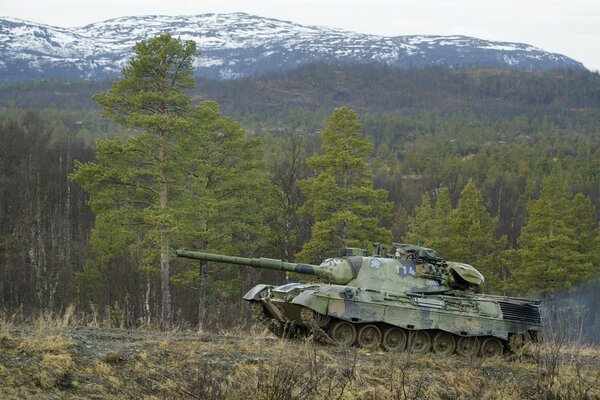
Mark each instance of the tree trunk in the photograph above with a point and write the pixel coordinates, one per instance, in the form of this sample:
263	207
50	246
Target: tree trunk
202	285
165	287
147	302
202	295
165	270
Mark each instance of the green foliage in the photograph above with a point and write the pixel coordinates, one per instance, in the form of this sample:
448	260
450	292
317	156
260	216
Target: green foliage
421	225
189	178
429	225
150	93
471	235
305	96
465	233
556	242
346	209
372	89
130	182
220	193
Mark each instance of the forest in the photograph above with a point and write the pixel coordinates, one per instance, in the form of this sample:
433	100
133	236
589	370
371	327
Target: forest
499	169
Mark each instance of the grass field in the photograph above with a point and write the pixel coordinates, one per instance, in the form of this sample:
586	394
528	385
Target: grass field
56	359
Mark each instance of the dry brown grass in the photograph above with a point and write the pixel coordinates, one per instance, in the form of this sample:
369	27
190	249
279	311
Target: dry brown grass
54	358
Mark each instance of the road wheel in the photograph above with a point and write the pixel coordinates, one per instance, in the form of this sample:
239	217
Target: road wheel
394	339
444	343
343	333
419	342
369	337
467	346
492	347
312	318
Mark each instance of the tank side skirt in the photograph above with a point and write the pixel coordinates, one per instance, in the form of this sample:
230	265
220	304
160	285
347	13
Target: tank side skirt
412	318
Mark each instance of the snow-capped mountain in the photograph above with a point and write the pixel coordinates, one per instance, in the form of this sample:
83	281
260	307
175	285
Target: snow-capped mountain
237	45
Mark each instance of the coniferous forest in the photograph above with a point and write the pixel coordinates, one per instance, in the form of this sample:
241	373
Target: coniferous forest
100	182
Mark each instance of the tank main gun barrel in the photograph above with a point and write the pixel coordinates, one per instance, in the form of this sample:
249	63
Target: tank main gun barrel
268	263
339	273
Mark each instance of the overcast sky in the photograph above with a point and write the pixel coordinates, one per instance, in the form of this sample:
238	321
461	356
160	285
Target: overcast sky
569	27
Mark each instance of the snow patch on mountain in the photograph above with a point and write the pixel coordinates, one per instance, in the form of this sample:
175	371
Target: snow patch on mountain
238	44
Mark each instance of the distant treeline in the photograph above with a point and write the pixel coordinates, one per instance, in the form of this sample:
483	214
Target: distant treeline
565	97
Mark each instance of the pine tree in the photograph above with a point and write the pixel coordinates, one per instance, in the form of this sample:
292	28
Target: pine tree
189	178
221	180
219	198
429	225
130	183
345	208
421	225
556	242
471	235
440	240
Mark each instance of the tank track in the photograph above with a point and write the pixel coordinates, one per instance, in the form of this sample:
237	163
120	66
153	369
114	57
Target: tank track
283	330
375	336
312	320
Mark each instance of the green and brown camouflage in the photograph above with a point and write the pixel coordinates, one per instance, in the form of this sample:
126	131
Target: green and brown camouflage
413	299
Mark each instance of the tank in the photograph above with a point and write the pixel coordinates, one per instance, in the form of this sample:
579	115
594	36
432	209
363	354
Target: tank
410	300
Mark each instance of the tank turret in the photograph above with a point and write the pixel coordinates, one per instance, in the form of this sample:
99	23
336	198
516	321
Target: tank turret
413	268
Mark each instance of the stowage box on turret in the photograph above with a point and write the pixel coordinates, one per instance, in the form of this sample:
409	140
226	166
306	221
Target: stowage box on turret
413	299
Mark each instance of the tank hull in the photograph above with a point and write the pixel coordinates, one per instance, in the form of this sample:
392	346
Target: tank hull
302	307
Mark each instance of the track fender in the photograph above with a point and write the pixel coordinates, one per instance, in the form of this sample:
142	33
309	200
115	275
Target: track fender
310	300
257	292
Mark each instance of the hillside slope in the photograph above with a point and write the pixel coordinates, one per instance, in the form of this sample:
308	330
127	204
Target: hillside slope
560	96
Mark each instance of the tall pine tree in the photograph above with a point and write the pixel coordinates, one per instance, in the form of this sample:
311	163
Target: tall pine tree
345	208
556	242
472	236
189	177
429	225
218	199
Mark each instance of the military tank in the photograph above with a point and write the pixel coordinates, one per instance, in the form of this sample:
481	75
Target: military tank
410	299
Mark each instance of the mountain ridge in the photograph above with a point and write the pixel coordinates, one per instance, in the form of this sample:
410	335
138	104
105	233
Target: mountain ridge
238	45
